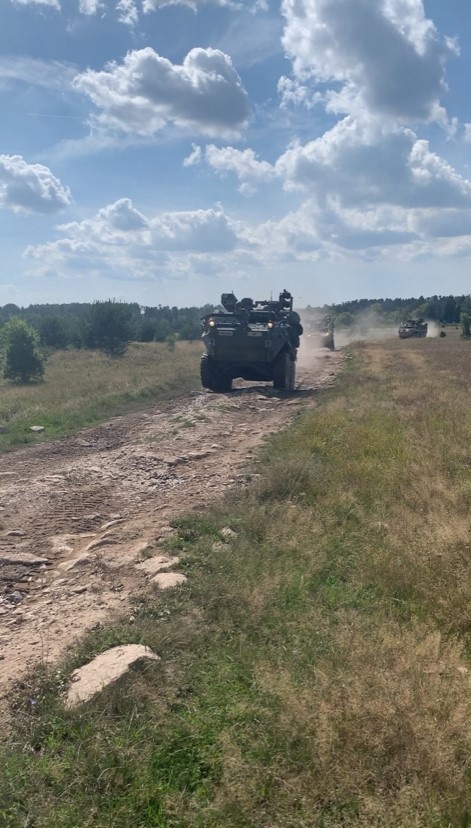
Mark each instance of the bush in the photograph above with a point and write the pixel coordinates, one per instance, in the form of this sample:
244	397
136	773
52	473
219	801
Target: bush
22	358
108	327
465	325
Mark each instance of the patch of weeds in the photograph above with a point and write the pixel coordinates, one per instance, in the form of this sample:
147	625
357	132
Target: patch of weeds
193	527
183	422
182	762
146	553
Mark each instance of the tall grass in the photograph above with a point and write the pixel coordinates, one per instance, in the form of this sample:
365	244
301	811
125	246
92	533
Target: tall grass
82	388
315	669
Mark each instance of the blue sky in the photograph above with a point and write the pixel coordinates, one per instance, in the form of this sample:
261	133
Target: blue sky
165	151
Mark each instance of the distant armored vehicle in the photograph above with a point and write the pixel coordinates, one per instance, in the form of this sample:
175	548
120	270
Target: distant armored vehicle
254	340
323	331
413	328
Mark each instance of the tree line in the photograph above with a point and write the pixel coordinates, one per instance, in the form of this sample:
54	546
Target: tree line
78	324
27	334
445	310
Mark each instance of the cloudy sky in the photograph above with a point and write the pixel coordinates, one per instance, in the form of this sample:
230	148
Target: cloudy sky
165	151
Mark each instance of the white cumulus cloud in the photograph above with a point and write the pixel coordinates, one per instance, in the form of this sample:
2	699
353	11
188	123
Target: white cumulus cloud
147	92
243	163
127	11
122	241
30	188
153	5
89	6
55	4
359	164
386	55
252	5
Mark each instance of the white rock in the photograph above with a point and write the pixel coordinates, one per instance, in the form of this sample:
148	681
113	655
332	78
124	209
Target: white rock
105	669
75	563
153	565
111	523
36	429
168	580
228	533
96	544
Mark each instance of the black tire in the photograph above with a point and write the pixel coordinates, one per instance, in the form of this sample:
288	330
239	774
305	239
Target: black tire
223	384
284	372
212	377
292	376
206	371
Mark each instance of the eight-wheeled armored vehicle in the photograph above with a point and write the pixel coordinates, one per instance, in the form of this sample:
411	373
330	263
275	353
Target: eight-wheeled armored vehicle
323	330
413	328
254	340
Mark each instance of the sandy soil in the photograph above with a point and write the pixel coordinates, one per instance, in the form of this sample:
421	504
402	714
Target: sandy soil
75	513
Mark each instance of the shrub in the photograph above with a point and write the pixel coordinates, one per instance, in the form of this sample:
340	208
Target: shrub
22	358
108	327
465	325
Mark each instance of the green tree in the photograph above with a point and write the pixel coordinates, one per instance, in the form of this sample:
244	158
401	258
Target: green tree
52	331
465	325
108	327
22	358
344	320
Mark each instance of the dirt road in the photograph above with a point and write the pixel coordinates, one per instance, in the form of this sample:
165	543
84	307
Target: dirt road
75	513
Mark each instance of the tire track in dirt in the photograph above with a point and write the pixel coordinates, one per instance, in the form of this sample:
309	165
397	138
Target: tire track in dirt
75	513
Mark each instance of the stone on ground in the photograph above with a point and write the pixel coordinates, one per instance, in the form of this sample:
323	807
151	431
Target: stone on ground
23	558
167	580
105	669
153	565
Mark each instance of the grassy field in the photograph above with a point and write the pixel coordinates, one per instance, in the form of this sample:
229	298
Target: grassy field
316	670
83	388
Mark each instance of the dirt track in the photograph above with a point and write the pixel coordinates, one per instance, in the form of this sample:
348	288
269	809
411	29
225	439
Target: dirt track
75	513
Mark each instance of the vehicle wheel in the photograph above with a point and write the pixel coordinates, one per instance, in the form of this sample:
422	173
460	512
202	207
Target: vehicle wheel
223	383
212	377
282	371
207	372
292	376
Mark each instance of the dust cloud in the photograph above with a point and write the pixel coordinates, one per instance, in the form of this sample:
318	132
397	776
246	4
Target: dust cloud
433	329
367	327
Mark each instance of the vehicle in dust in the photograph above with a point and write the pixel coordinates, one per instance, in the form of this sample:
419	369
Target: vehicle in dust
322	330
413	328
253	340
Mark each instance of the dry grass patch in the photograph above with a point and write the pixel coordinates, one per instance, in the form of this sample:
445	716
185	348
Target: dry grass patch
82	388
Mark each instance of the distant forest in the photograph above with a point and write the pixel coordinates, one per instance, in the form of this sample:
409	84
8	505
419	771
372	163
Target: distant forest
66	325
445	310
61	326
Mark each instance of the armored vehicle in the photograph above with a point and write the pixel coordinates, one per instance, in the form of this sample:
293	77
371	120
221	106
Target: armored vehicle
413	328
254	340
323	331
